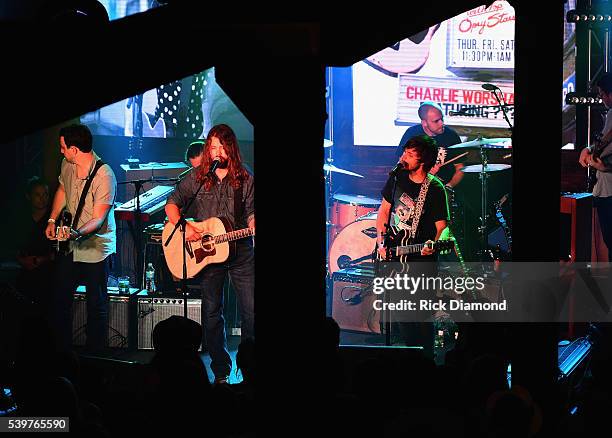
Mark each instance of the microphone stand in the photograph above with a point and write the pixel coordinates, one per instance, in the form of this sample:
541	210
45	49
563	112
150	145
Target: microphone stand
503	107
136	234
387	242
182	223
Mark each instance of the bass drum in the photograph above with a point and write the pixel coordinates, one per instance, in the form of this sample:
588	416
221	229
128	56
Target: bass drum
354	245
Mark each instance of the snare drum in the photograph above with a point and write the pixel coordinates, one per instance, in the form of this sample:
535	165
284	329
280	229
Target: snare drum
349	208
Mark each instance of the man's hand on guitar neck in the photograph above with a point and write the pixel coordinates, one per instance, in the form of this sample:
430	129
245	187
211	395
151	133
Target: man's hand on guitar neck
585	157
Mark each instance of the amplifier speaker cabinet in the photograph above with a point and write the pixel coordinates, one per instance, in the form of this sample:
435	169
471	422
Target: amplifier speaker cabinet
151	310
352	301
119	309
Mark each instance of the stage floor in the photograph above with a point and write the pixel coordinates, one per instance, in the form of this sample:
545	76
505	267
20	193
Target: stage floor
145	356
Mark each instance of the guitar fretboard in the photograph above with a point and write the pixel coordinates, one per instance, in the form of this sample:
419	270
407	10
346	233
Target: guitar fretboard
235	235
409	249
417	247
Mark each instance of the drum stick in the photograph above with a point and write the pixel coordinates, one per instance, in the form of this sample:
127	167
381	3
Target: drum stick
453	159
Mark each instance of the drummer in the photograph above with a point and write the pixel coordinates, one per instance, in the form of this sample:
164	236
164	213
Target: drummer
432	124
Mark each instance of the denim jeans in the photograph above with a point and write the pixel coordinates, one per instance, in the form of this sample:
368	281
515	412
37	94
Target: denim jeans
94	276
241	270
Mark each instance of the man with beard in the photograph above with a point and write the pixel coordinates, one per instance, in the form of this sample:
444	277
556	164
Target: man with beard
227	191
432	125
414	206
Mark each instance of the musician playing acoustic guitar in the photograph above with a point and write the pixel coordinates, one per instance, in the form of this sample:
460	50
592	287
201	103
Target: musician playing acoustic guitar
419	214
600	158
227	192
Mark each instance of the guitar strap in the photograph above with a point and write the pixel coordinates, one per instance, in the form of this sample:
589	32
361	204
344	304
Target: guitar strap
77	215
418	210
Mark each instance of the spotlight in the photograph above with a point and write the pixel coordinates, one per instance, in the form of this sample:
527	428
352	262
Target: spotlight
588	99
591	17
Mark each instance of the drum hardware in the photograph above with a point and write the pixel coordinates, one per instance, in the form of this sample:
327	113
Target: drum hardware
327	143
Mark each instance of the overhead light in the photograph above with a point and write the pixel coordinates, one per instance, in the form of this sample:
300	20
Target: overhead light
587	99
592	17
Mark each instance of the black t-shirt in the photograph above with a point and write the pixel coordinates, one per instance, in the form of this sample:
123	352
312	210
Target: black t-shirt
406	196
448	138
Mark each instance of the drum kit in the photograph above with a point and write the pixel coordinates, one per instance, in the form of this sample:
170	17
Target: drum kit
352	217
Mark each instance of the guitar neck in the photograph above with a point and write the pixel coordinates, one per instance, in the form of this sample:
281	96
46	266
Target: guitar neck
235	235
409	249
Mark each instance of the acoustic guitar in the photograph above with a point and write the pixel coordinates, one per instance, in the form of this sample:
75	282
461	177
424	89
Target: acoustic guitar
217	244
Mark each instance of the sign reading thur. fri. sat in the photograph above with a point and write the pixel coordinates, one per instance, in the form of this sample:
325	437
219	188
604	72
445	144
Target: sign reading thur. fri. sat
482	39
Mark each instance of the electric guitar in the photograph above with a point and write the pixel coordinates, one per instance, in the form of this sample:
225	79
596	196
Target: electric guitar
215	246
62	232
596	151
401	248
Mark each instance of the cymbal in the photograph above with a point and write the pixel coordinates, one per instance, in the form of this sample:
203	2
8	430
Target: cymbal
487	143
327	143
357	200
332	168
477	168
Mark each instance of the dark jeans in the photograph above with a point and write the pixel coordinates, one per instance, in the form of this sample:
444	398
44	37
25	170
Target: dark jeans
68	275
415	328
241	270
604	213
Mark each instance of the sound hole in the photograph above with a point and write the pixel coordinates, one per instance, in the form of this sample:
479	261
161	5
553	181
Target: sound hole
208	242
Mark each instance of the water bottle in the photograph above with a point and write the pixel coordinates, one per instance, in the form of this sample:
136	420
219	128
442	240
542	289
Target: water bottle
150	279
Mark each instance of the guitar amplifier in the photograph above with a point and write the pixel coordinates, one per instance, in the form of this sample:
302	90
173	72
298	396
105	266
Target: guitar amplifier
352	300
119	309
151	310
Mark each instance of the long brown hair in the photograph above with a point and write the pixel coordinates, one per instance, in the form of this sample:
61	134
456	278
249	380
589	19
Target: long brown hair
237	174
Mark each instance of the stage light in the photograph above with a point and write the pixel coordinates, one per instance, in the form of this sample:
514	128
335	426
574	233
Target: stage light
592	17
588	99
572	355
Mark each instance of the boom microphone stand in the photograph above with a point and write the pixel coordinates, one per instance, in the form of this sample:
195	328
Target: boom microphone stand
182	223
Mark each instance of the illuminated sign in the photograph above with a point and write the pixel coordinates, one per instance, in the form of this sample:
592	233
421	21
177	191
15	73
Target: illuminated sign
482	39
453	95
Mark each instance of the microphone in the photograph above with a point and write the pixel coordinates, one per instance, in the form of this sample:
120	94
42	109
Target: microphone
490	87
213	166
398	166
460	113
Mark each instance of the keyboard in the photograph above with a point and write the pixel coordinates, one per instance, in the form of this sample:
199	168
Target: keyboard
151	202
